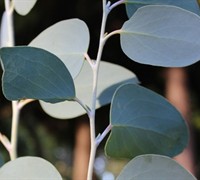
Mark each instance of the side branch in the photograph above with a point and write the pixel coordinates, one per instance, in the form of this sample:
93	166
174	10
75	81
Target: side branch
87	109
107	36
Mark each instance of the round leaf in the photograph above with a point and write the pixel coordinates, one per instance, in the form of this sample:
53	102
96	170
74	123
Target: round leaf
69	40
32	73
106	87
23	7
29	168
162	36
154	167
144	123
133	5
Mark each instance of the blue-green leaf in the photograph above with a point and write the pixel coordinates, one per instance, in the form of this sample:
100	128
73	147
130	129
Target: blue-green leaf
133	5
29	168
162	36
144	123
67	39
107	84
33	73
154	167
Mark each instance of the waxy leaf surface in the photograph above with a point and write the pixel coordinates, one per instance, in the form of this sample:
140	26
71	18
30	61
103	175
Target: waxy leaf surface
162	36
69	40
154	167
133	5
144	123
110	77
29	168
32	73
23	7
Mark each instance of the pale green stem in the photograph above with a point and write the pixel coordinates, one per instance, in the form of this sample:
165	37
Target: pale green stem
14	130
116	4
87	109
111	34
22	103
15	109
100	137
89	60
9	11
94	93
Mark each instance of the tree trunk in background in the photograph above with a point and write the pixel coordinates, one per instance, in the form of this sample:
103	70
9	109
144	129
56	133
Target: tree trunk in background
81	151
178	94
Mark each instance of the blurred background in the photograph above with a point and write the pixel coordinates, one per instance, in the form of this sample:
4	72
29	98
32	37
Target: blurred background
60	141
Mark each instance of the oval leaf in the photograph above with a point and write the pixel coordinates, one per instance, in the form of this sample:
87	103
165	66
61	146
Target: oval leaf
106	87
154	167
162	36
29	168
69	40
23	7
32	73
133	5
144	123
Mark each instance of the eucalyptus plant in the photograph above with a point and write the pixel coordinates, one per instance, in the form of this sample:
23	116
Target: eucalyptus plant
56	69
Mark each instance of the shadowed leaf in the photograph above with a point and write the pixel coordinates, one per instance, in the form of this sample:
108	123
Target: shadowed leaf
32	73
133	5
69	40
109	80
154	167
144	123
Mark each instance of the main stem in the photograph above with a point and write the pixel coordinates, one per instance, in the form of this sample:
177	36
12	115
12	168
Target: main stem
15	110
9	18
94	94
14	130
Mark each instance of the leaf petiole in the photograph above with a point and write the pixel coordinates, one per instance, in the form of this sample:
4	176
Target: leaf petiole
100	137
115	4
